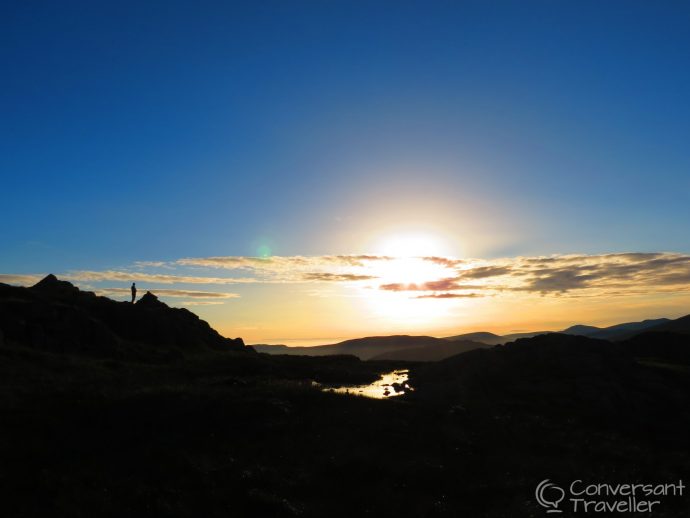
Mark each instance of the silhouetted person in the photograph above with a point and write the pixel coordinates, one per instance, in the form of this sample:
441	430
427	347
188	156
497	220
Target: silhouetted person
134	292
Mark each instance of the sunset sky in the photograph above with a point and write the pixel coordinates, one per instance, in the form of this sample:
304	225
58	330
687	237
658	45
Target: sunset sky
305	172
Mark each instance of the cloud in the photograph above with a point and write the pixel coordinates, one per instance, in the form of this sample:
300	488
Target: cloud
20	279
200	302
439	285
603	273
153	264
152	278
559	280
443	261
356	260
450	296
483	272
172	293
341	277
571	275
279	263
574	275
294	269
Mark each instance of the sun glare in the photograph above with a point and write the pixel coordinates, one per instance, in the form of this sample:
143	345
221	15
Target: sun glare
410	270
400	295
412	245
408	264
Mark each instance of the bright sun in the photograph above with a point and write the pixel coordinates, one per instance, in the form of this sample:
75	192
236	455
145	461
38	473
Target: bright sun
412	245
398	296
408	264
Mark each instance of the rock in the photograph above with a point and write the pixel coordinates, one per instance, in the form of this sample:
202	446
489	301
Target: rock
151	301
56	316
53	286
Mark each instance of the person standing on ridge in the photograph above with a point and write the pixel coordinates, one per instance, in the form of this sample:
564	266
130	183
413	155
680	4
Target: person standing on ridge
134	292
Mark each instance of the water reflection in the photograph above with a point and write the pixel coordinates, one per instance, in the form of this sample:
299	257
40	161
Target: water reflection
390	384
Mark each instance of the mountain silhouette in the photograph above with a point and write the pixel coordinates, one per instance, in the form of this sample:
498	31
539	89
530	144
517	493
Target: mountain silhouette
616	332
56	316
679	325
480	336
435	352
111	428
427	348
494	339
364	348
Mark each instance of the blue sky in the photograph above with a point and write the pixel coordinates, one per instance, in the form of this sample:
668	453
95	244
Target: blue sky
153	131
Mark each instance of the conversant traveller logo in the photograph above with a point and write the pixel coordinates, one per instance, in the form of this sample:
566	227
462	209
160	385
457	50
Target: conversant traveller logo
604	498
549	495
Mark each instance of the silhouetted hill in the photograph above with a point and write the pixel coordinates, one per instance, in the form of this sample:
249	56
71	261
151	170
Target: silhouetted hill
616	332
679	325
660	345
272	349
556	373
364	348
581	330
481	336
432	353
56	316
252	435
493	339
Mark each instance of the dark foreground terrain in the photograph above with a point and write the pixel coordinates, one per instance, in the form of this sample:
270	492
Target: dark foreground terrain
206	427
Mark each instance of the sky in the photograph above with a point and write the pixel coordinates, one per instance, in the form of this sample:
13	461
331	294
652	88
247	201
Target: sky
362	151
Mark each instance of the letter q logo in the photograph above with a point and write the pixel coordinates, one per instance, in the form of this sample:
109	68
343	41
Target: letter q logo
549	495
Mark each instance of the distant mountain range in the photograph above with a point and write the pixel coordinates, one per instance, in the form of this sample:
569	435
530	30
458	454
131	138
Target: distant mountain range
56	316
364	348
617	332
427	348
614	333
493	339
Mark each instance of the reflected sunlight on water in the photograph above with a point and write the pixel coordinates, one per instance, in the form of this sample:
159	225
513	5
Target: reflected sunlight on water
390	384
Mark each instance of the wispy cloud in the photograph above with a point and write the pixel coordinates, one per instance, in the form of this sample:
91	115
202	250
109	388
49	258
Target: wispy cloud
439	285
200	302
20	279
172	293
448	262
449	296
561	275
573	275
279	263
336	277
153	278
605	272
483	272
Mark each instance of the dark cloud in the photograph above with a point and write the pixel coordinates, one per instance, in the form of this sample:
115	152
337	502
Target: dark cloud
482	272
560	280
631	271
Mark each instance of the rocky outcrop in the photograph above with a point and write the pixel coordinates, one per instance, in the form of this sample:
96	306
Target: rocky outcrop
56	316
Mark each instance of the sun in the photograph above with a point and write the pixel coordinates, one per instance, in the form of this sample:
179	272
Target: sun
409	255
412	245
398	295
